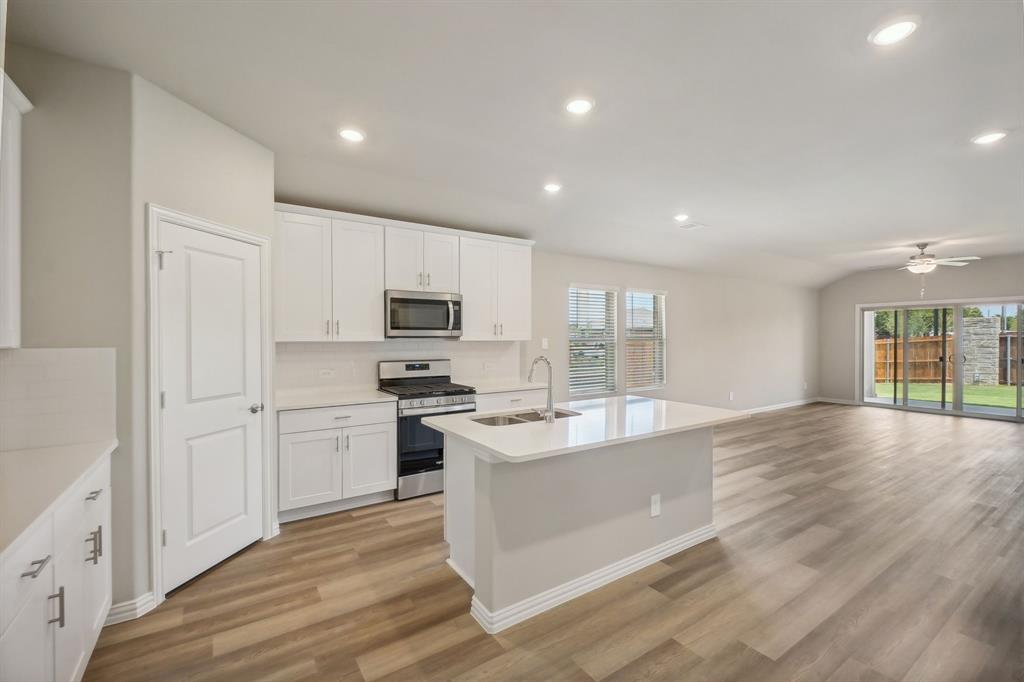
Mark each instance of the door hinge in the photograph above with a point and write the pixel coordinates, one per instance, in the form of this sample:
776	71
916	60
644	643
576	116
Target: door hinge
163	538
163	400
160	258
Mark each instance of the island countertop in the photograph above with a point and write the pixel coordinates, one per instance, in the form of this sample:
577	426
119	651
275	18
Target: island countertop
601	422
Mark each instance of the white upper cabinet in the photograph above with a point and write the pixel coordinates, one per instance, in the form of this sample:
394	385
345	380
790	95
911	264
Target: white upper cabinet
479	284
14	106
418	260
496	290
358	255
440	262
331	270
302	278
404	259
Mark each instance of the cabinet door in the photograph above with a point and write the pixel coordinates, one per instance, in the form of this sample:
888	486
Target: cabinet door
440	262
71	644
97	569
478	282
26	647
403	249
514	297
302	278
309	468
370	456
358	276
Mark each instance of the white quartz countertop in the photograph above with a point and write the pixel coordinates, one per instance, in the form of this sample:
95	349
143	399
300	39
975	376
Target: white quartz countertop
502	386
328	396
602	422
33	479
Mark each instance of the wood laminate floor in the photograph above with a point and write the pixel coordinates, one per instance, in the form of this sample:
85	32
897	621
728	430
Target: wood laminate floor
854	544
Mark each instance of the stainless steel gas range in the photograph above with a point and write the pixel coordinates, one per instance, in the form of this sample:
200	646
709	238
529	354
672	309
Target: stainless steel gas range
423	388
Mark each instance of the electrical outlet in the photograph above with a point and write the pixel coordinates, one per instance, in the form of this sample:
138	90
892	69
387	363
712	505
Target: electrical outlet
655	505
730	396
544	343
327	373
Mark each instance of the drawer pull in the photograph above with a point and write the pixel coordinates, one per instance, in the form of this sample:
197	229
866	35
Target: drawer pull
93	495
39	564
346	416
516	400
60	607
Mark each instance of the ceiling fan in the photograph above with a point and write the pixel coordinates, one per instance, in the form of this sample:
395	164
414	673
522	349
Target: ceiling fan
922	263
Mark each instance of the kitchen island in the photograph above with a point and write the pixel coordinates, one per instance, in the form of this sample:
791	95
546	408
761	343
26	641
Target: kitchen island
539	513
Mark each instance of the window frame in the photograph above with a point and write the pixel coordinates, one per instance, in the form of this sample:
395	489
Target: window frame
664	338
614	339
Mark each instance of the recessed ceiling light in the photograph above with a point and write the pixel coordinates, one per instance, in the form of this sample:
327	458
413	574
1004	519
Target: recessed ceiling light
579	106
681	218
352	135
552	188
989	138
893	33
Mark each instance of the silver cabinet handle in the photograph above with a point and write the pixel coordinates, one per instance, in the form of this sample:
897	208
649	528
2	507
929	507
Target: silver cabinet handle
39	564
93	495
256	407
96	538
419	279
495	328
501	329
337	327
346	442
344	416
337	443
428	279
60	607
327	329
99	539
515	400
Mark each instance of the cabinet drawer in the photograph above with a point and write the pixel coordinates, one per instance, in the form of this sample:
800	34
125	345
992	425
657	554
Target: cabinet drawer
491	402
82	507
293	421
35	545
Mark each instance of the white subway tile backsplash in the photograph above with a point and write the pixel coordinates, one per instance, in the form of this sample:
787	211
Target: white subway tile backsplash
56	396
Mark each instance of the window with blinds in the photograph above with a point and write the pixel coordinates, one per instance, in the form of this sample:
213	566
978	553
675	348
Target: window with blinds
645	339
591	340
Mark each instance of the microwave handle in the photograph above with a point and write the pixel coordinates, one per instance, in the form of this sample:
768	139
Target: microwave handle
451	315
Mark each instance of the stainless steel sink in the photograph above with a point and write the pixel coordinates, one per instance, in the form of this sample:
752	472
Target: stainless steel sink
500	420
521	417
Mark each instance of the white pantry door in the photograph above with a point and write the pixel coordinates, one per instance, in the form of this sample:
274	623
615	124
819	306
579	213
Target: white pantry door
211	378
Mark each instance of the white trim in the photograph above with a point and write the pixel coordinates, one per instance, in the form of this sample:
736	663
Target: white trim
458	571
155	214
496	621
17	97
289	515
782	406
130	610
359	218
836	401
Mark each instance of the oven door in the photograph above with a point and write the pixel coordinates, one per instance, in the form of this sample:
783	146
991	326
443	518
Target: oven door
421	448
419	313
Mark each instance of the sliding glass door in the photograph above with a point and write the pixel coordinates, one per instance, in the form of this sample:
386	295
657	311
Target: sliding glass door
961	359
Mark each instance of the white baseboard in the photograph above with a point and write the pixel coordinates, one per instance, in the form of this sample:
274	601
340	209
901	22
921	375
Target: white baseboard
336	506
496	621
782	406
458	571
837	401
129	610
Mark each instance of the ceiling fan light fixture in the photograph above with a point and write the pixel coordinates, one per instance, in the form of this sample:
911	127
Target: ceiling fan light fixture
921	268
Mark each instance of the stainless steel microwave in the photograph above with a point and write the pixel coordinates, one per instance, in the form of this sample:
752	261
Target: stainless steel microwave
422	313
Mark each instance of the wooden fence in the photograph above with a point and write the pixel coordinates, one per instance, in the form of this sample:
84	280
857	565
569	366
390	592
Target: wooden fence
924	363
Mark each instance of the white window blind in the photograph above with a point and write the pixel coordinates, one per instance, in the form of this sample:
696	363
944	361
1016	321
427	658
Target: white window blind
591	340
645	339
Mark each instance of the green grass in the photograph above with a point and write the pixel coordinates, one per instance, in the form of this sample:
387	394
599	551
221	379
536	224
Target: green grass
990	396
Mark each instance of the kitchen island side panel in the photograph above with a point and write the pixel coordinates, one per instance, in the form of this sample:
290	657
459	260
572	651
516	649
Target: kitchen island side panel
542	523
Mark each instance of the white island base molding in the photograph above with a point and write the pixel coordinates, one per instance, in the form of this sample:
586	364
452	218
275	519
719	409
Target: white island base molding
530	535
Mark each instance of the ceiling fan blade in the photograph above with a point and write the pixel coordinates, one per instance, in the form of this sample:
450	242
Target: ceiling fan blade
956	258
954	263
903	268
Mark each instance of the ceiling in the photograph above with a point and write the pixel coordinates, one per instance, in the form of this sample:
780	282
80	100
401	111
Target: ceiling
807	151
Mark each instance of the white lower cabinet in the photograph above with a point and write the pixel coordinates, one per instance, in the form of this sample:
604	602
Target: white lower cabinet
55	582
331	464
511	400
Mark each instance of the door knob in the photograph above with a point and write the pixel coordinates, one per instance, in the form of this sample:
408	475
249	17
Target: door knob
256	407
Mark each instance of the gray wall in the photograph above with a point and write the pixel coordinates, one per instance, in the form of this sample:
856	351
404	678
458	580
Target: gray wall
99	146
988	278
756	339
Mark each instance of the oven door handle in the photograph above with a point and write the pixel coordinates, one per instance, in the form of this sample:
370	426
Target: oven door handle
430	411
